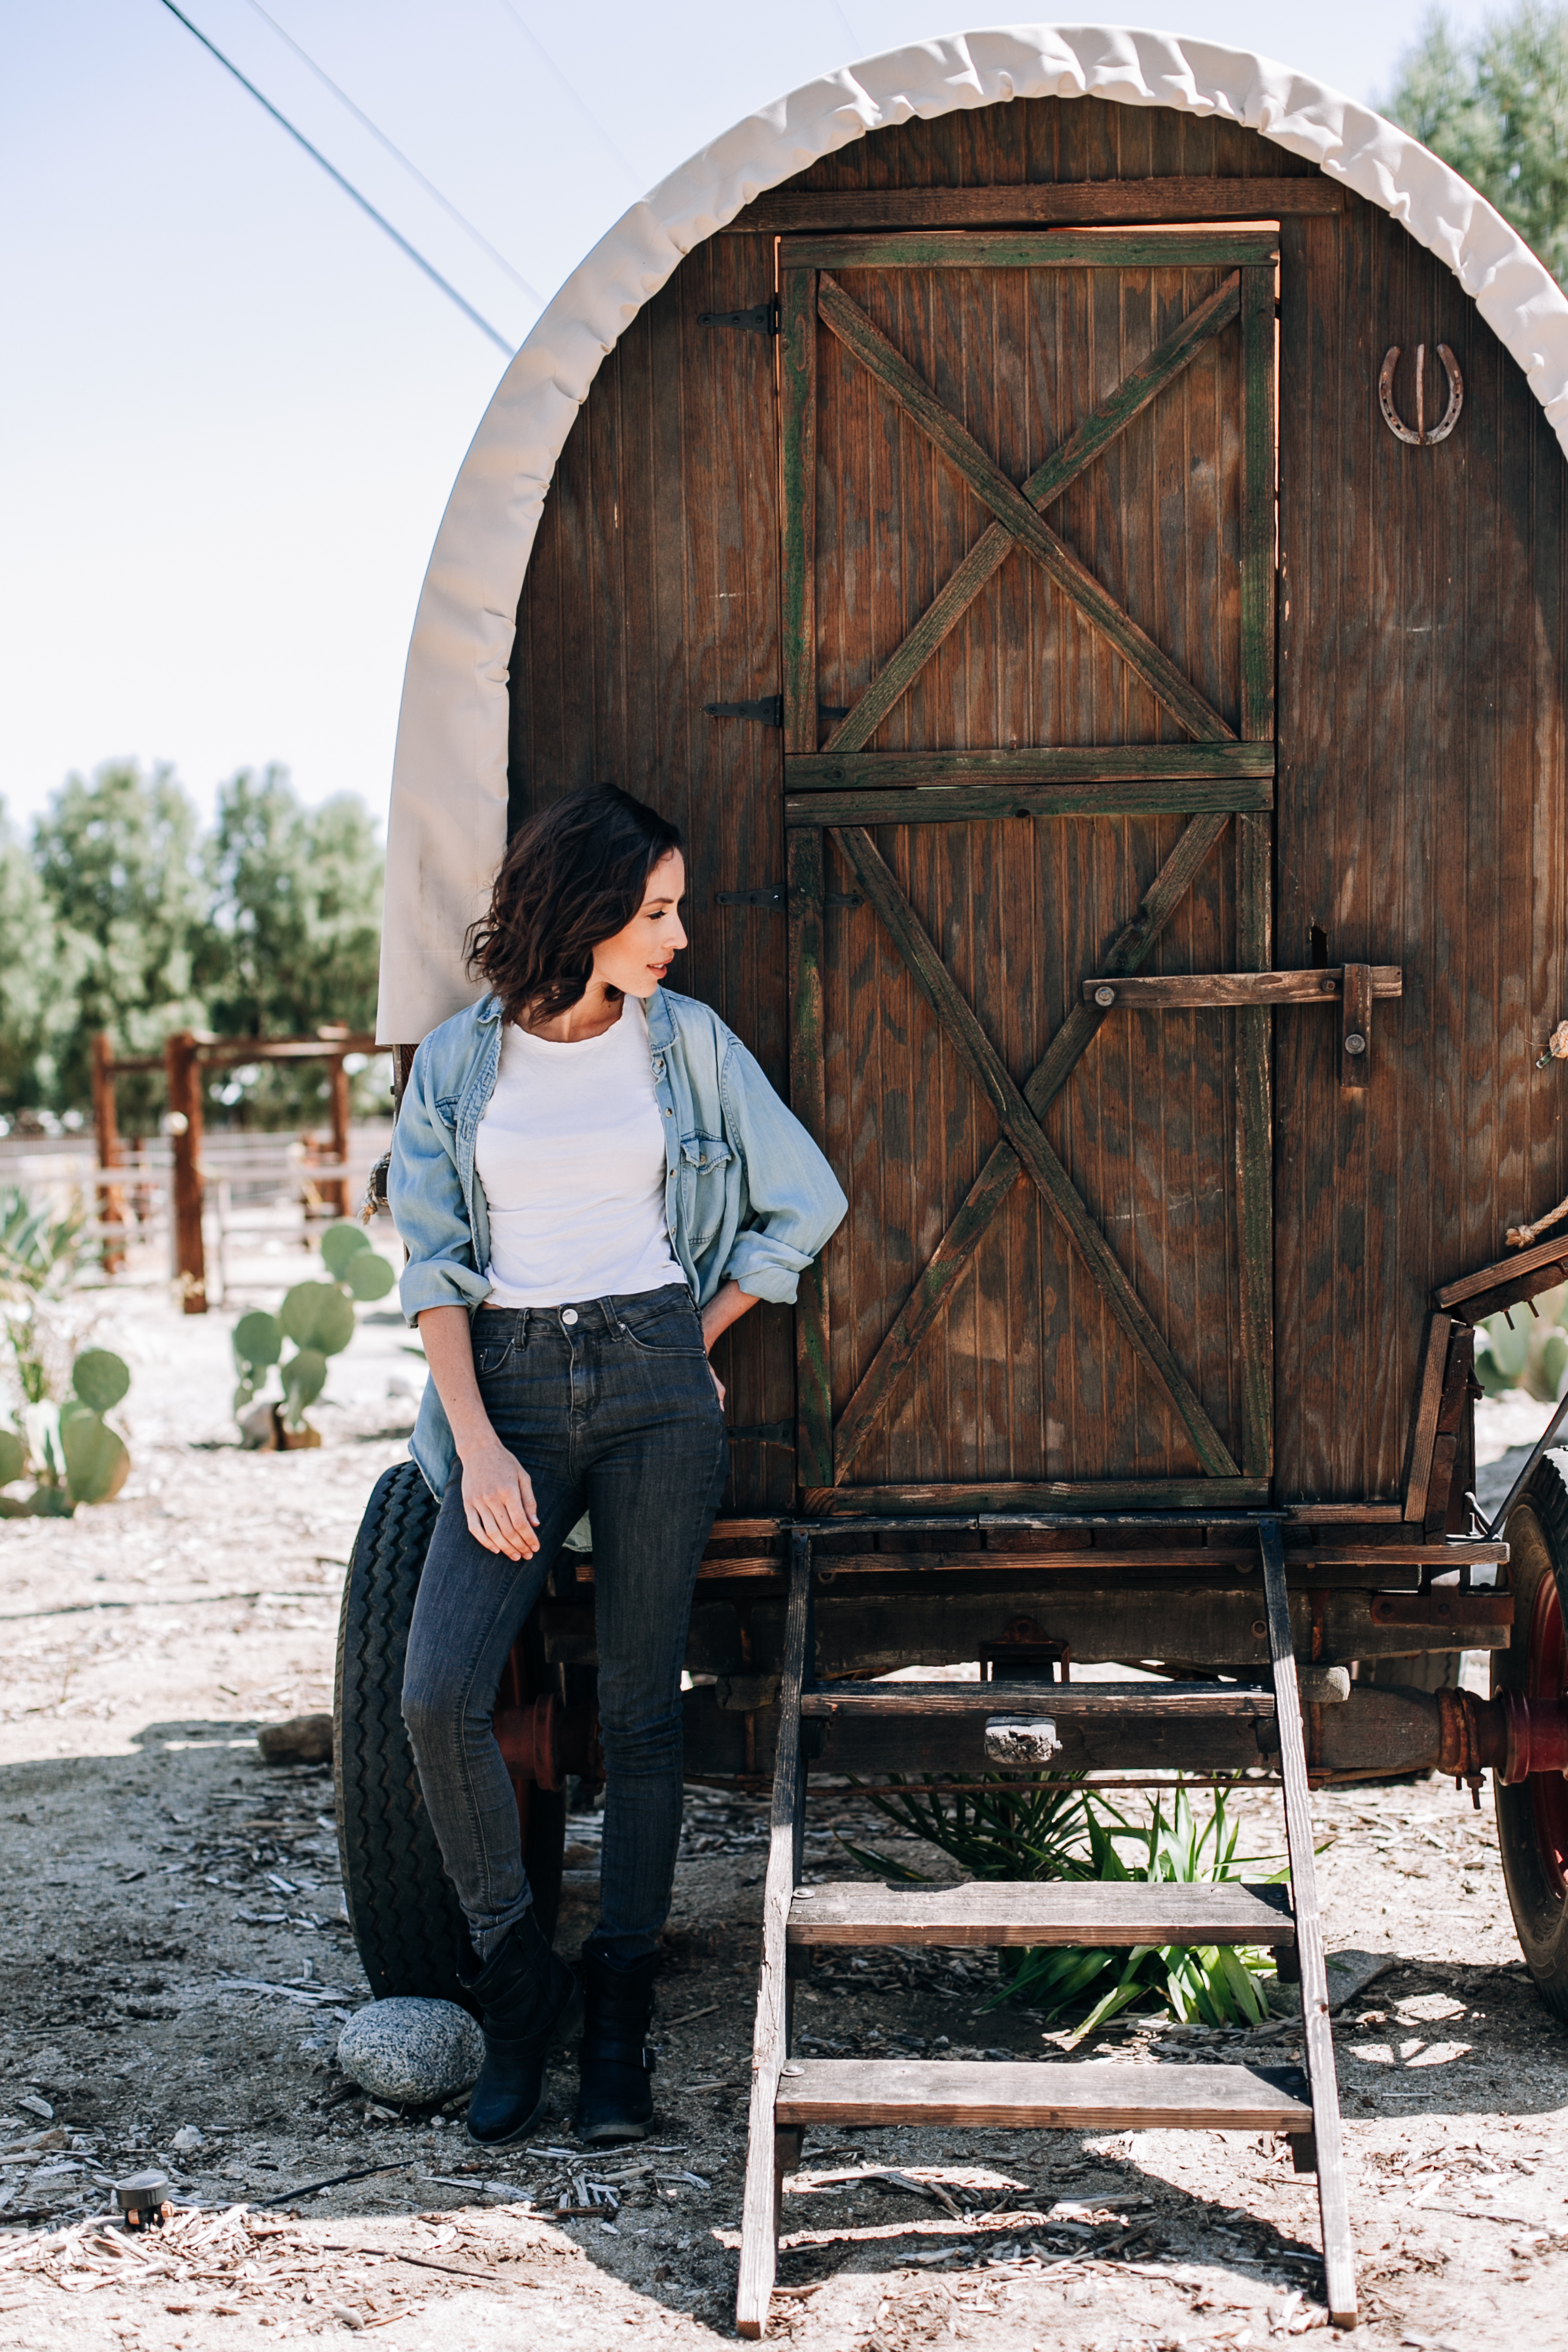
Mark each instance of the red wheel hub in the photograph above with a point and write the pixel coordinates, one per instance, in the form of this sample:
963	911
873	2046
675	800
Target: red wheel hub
1546	1677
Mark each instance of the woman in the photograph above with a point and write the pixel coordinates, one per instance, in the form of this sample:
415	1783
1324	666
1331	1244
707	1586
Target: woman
593	1179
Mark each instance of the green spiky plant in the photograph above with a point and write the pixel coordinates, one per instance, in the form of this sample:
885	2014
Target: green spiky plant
1005	1829
316	1319
1210	1984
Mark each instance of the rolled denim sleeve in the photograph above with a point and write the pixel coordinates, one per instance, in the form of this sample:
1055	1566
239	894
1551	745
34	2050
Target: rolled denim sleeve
796	1201
425	1192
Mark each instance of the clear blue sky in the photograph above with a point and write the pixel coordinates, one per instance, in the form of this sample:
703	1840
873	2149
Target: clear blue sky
230	411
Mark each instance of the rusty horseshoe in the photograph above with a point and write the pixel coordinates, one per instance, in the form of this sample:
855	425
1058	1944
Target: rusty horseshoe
1401	432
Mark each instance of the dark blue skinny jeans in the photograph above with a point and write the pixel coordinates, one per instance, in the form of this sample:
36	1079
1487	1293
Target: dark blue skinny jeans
609	1405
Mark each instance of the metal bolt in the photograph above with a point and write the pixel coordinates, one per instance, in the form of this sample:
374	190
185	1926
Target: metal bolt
1258	1628
1355	1042
1104	995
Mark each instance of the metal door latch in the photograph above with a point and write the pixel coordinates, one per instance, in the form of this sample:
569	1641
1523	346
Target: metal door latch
761	320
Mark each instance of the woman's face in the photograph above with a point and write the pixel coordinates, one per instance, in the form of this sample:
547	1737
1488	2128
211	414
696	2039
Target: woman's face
636	960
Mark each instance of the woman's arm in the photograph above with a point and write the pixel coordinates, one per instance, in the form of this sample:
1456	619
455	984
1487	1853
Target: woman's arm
727	1306
498	1493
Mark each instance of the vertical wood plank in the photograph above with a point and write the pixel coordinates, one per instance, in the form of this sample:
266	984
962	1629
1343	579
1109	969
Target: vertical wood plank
1255	1149
1255	881
1257	505
1424	1423
1339	2263
770	2034
797	466
808	1097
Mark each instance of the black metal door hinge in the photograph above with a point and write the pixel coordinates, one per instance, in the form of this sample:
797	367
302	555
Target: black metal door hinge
766	1432
762	320
776	895
767	710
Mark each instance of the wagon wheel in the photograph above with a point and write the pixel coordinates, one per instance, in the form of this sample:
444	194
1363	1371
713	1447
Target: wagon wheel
1533	1815
403	1912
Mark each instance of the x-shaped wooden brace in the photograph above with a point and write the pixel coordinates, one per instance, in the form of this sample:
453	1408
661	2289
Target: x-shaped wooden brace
1025	1147
1018	520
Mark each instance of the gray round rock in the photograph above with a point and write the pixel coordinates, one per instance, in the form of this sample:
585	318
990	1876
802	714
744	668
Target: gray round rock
410	2052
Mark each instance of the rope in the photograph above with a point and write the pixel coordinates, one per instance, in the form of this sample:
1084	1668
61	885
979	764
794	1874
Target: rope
1521	1237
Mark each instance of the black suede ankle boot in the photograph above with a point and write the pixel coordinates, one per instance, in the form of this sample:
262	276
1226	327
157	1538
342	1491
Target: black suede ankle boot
616	2098
528	1999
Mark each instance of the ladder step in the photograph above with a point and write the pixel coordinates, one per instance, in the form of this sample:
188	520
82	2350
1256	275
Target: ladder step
1101	2096
1013	1911
1126	1703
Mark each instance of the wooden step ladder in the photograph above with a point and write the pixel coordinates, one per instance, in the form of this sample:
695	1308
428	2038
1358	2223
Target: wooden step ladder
789	2095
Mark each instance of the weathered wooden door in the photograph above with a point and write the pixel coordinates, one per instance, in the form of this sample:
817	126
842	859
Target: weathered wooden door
1029	573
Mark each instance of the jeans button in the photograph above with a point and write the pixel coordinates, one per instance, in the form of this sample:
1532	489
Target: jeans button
568	1315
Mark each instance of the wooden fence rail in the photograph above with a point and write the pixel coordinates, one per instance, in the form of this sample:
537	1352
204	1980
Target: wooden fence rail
187	1054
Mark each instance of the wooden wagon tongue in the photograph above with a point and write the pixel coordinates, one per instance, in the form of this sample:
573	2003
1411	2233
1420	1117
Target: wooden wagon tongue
788	2096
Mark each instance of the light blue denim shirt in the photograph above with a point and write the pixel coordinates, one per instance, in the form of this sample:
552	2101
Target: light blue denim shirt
747	1195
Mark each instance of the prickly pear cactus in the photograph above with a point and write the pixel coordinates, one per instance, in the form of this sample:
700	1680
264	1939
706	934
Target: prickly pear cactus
316	1319
1530	1353
70	1449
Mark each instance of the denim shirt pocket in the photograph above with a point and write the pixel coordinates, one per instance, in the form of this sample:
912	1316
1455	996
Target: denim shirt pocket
704	1160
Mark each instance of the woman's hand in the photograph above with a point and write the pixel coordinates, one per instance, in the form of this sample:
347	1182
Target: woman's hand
727	1306
498	1500
498	1493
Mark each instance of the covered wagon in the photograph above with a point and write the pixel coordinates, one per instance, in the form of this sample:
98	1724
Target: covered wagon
1072	525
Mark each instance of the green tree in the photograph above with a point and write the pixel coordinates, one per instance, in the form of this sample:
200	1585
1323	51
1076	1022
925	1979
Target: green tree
293	938
1496	108
117	860
35	1010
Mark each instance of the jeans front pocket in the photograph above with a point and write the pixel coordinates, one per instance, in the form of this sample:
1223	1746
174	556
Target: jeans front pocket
663	1328
491	1356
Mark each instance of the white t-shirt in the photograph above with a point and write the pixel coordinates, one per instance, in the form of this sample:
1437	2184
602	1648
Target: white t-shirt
572	1156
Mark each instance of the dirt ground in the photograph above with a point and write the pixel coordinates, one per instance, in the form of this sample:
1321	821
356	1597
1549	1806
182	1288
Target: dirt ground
176	1967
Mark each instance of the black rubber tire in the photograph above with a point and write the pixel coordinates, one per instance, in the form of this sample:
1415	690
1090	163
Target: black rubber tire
403	1909
1537	1533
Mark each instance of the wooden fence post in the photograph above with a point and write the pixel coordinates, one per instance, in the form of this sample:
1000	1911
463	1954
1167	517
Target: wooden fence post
108	1199
184	1078
336	1189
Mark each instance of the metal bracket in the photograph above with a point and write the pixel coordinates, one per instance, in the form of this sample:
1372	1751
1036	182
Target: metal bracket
761	320
1390	417
1355	1032
776	895
767	710
765	1433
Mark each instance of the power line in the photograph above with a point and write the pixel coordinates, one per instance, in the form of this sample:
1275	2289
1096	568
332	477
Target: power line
347	186
580	103
377	132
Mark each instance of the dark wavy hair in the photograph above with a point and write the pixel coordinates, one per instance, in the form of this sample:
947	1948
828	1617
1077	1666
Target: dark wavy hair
574	874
